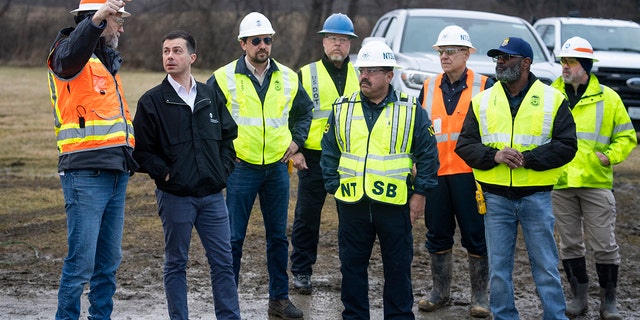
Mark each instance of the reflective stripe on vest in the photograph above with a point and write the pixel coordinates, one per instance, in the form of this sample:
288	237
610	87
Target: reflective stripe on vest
531	128
447	127
316	76
90	111
374	163
263	128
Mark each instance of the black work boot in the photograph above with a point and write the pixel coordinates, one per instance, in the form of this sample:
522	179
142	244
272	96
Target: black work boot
479	275
576	270
284	309
608	278
441	265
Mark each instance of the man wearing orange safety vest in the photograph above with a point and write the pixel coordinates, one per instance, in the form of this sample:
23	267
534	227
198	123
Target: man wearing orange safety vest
95	142
446	98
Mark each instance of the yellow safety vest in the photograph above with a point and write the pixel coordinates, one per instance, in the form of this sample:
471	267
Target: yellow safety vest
602	124
322	91
263	129
374	163
532	127
90	110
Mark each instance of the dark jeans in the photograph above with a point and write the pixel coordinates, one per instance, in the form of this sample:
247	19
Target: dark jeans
359	224
306	223
453	200
271	184
210	217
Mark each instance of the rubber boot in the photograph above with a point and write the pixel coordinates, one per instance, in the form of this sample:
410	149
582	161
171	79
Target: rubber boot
608	277
441	265
576	270
479	275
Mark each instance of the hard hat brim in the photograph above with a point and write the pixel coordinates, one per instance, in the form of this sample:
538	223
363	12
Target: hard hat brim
94	7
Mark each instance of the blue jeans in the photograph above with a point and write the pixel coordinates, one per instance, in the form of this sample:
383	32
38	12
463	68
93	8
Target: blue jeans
536	220
94	204
305	233
210	217
271	183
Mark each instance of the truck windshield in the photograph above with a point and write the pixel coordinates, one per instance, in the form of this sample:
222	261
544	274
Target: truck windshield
602	37
422	32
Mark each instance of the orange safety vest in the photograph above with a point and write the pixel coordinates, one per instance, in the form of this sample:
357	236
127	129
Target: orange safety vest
90	110
447	127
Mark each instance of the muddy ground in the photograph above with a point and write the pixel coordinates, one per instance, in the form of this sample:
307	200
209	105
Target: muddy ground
33	246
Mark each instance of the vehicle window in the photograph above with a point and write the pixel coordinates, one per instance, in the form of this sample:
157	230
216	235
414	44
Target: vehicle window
547	33
605	37
392	29
380	28
422	32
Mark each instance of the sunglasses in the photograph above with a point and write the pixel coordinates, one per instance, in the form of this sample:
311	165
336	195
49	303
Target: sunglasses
569	62
267	40
450	51
505	57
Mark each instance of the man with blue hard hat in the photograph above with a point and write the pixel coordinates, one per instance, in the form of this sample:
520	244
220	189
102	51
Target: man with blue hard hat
517	136
324	80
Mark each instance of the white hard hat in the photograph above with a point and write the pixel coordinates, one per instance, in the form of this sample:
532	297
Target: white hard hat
376	54
577	47
454	36
94	5
254	24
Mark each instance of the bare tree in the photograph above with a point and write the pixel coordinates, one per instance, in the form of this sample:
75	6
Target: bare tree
5	8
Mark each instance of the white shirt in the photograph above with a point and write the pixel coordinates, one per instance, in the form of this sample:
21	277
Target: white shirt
256	73
189	97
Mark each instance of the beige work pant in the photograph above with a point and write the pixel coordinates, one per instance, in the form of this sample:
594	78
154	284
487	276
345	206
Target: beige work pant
586	215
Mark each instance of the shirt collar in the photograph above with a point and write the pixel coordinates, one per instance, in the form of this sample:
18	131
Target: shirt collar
179	88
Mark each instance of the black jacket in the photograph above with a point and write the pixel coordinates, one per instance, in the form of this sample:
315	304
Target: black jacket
194	148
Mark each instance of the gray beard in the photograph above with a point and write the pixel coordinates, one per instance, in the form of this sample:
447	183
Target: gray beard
111	42
509	75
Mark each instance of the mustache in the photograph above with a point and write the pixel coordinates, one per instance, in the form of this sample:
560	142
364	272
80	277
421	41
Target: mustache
365	81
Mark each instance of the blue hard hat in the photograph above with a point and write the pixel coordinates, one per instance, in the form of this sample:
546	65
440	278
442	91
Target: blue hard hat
338	23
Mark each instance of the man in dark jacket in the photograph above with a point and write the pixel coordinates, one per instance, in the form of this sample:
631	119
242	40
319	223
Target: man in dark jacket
95	141
517	135
185	143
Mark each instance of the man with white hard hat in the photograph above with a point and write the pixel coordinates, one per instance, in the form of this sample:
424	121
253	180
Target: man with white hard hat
273	113
446	98
372	140
95	144
605	137
324	80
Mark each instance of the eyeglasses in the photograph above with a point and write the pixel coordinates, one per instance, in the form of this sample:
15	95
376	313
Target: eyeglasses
450	51
371	71
256	41
505	57
569	62
119	21
339	40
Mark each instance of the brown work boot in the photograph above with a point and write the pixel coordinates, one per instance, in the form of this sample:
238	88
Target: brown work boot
284	309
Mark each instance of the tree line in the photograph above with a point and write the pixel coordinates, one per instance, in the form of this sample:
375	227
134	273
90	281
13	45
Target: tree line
31	25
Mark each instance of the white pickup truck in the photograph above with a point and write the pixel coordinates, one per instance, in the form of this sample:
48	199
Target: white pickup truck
411	33
616	44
